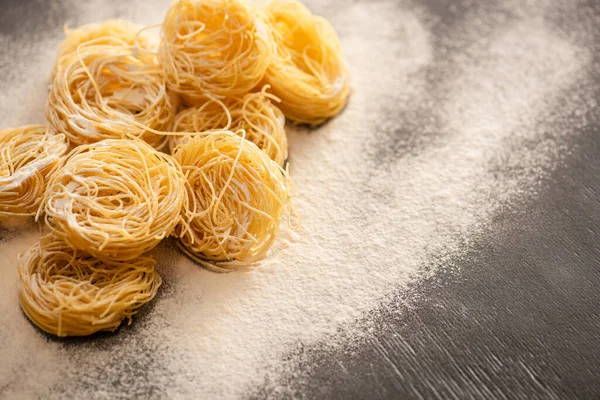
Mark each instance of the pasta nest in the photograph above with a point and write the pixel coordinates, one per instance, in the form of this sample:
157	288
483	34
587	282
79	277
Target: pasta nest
216	47
27	155
307	72
254	113
66	292
104	33
105	92
237	196
115	199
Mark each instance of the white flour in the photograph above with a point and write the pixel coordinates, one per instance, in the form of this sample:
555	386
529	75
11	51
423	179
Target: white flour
367	227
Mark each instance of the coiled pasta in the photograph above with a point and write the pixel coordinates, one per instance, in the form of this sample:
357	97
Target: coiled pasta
237	196
27	155
66	292
307	72
104	33
115	199
104	92
214	47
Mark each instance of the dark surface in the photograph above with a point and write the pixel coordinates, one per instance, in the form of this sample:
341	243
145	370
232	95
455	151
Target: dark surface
521	321
522	317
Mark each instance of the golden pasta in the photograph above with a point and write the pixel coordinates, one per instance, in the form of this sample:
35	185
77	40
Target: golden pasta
101	34
104	92
237	196
115	199
66	292
242	69
254	113
214	47
27	155
307	72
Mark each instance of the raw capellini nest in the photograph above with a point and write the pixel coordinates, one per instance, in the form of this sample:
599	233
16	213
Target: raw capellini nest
237	196
307	72
102	91
103	34
214	47
27	155
115	199
253	113
66	292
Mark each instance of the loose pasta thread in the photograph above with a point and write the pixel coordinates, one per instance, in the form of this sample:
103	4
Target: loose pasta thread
254	113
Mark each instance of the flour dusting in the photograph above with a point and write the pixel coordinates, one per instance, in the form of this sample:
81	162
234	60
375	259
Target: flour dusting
368	227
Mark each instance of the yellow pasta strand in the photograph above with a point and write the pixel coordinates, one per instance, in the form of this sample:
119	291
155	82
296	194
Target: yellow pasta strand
307	72
27	155
102	34
253	113
66	292
114	98
104	92
214	47
237	196
115	199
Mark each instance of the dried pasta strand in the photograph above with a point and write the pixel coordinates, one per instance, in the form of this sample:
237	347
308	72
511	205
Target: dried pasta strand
102	34
237	197
307	72
253	113
66	292
103	91
115	199
27	155
216	47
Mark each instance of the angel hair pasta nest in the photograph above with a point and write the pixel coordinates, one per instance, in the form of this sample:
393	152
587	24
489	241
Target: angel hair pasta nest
307	72
237	196
66	292
105	33
115	199
27	155
216	47
115	99
102	91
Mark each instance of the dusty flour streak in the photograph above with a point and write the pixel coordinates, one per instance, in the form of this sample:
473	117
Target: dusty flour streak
21	347
365	231
443	192
430	204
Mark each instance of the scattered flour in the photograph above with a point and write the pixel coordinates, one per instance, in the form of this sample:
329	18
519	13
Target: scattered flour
367	228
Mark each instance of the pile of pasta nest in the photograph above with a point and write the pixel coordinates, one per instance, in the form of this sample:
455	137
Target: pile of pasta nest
149	137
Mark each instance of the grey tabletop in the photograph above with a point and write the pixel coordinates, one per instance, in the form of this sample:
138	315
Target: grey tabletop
518	314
